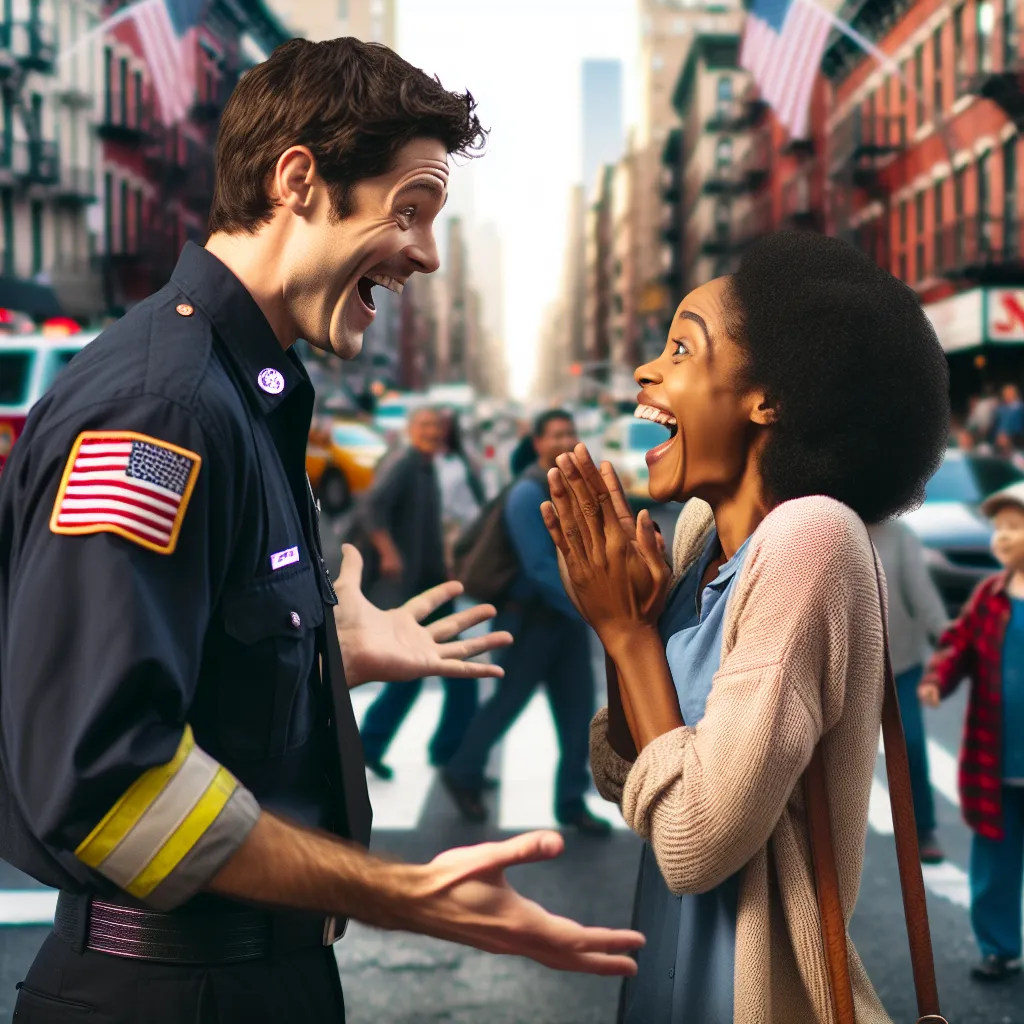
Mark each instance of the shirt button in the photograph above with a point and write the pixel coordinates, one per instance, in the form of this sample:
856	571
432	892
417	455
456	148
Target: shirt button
296	620
671	972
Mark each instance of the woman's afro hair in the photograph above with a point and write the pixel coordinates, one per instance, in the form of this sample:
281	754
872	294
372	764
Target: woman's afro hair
852	365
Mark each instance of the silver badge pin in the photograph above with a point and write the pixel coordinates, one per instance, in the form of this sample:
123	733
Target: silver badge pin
271	381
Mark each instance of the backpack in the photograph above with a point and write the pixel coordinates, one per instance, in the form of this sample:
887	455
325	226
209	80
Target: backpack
484	559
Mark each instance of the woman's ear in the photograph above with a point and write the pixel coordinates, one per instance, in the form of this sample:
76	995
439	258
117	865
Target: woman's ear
763	412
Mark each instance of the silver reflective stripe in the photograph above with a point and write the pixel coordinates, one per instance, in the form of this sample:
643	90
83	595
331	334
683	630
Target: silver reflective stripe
162	819
227	833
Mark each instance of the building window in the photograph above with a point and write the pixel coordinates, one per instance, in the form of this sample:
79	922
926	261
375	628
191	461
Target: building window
937	103
920	233
108	83
138	219
343	9
904	74
984	185
124	216
7	203
919	85
938	227
138	98
1010	41
37	237
1010	185
122	100
723	153
724	90
904	209
985	24
108	212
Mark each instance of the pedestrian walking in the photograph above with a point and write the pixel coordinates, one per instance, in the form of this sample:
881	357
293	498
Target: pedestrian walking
462	490
985	645
180	756
1009	418
761	658
552	646
981	419
402	514
917	618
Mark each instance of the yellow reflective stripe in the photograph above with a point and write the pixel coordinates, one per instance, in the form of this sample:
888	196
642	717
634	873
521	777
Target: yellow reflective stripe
186	835
129	809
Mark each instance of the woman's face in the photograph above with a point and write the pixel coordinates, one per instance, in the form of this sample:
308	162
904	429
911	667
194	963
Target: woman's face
693	387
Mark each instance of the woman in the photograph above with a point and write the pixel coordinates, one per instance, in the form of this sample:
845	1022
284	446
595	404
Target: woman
806	394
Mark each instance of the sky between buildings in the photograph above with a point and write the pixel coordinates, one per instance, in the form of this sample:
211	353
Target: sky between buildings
522	61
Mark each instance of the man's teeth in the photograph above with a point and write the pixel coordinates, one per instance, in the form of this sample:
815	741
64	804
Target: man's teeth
387	282
648	412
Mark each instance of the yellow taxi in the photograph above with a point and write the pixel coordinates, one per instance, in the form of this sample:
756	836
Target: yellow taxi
340	459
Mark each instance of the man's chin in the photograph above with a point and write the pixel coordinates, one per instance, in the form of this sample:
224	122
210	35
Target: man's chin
348	345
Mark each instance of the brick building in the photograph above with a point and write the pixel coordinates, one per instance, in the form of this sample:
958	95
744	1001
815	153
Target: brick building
157	182
926	167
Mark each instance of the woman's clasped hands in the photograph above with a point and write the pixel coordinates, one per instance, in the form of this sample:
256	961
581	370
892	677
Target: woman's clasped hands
617	569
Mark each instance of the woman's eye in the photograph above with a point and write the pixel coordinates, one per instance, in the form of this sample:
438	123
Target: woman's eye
681	349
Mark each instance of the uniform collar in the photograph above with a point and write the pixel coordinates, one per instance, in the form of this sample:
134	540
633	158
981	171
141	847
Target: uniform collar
250	341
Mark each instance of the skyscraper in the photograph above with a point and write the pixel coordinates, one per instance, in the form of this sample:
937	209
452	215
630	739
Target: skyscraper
602	117
373	21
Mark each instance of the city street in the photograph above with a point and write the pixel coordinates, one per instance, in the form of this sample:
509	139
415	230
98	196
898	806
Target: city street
398	979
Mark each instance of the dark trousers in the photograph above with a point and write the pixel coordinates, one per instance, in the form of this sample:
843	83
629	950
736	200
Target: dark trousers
549	648
63	986
386	714
917	750
997	881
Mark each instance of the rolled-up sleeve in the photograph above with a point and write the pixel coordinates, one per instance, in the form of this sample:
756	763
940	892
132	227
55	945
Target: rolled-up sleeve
108	598
609	770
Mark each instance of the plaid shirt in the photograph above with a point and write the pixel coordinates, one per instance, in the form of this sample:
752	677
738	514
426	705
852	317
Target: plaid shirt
972	647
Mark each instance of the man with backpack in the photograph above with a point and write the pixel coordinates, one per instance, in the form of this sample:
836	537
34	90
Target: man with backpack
510	549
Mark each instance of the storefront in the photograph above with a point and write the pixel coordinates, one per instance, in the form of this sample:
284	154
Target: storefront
982	333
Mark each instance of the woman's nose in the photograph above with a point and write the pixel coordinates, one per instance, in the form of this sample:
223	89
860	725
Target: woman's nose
646	375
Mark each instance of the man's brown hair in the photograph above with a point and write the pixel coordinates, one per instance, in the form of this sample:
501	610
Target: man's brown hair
354	104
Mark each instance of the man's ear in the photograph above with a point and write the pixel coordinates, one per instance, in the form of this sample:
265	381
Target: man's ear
293	177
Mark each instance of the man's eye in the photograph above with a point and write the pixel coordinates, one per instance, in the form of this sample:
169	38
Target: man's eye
409	212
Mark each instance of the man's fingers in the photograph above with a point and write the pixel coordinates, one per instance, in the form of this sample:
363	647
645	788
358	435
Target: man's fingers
351	572
620	503
430	600
474	646
459	622
469	670
598	963
485	859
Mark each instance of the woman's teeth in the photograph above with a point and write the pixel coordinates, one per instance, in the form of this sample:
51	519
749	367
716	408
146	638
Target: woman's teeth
649	412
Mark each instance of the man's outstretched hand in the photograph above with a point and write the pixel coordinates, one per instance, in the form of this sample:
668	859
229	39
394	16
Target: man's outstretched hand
394	646
462	895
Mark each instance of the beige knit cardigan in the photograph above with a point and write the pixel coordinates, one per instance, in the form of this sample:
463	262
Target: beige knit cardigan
802	655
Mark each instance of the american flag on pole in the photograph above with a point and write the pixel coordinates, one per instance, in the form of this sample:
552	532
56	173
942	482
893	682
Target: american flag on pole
783	43
130	484
168	31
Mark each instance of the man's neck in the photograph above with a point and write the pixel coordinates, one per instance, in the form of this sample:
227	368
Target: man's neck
252	259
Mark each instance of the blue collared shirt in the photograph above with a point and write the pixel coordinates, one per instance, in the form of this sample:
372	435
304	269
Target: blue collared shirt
685	971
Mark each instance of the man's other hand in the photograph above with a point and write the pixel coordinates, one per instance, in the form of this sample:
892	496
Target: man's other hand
394	646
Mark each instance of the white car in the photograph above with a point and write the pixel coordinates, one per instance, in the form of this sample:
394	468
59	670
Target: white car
625	445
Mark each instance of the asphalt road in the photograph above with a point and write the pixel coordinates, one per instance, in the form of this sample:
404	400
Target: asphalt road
398	979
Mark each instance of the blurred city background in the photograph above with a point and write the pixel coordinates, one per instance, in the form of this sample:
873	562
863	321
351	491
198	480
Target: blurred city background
637	147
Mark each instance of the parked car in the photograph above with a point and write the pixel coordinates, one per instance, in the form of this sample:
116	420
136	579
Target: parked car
955	535
341	458
625	445
29	364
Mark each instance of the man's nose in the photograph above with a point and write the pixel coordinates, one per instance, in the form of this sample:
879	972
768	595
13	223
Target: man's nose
425	255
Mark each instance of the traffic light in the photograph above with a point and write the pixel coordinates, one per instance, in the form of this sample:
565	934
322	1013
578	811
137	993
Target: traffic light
576	369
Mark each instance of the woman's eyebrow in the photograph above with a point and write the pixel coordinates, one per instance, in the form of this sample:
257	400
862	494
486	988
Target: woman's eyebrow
699	321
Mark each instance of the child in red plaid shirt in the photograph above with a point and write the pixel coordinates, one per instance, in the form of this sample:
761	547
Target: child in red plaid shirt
986	645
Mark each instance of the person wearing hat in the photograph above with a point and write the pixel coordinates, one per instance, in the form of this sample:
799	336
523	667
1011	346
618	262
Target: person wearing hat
986	646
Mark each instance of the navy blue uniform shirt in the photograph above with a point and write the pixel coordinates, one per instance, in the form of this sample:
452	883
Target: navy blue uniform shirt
164	605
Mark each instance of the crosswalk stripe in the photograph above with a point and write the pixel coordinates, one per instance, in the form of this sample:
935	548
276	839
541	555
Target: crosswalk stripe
942	771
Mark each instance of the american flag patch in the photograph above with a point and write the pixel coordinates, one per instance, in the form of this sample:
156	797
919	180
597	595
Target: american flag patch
130	484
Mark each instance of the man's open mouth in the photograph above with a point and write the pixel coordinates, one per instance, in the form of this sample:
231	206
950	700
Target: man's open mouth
366	283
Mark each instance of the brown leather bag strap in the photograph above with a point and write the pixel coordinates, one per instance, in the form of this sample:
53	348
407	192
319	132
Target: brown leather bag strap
908	858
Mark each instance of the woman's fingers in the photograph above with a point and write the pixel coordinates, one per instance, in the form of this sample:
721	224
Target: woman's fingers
647	539
550	517
620	503
569	517
589	517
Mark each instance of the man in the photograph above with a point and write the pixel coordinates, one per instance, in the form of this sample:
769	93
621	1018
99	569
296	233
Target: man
552	645
402	515
172	757
1009	424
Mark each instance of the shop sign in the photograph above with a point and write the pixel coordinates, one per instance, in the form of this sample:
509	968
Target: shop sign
1006	315
958	320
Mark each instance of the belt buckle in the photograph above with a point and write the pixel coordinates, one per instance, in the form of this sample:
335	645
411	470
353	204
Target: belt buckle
331	933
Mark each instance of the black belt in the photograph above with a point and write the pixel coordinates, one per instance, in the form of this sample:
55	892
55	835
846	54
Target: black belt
222	936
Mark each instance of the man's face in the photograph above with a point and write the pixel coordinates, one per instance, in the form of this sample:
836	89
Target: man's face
426	431
1010	394
1008	539
334	265
558	438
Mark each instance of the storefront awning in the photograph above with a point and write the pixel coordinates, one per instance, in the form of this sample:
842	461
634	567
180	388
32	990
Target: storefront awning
37	300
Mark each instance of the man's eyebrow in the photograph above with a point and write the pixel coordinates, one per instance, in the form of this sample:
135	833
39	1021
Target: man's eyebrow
699	321
435	188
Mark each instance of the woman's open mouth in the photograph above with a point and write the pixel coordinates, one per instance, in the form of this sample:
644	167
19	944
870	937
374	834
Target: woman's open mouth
666	419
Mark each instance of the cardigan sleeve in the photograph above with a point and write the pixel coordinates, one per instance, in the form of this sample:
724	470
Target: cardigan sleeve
708	798
609	770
